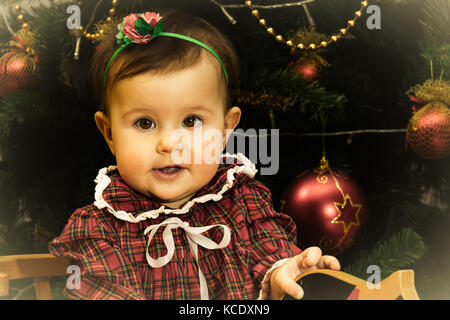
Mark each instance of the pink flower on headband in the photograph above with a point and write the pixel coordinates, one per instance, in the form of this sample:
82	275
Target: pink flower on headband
152	18
142	28
138	28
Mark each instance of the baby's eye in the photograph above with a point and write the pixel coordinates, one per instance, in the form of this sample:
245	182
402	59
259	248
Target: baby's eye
192	121
144	124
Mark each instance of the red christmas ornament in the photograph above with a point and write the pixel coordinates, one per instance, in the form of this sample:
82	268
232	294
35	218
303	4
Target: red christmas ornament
328	207
18	67
309	71
307	65
428	132
308	68
17	72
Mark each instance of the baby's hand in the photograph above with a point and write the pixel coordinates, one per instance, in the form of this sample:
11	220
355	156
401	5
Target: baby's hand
282	280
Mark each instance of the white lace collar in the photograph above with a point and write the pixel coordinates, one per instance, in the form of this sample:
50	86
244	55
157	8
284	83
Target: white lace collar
103	180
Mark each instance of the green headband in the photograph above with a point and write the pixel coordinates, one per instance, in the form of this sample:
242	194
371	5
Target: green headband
142	28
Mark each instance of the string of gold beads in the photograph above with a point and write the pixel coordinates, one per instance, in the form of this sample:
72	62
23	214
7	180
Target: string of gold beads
91	36
18	12
311	46
95	36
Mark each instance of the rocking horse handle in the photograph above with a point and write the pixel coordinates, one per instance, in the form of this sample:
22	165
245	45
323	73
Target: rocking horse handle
398	284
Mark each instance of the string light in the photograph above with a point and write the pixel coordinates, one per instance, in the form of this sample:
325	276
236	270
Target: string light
302	46
339	133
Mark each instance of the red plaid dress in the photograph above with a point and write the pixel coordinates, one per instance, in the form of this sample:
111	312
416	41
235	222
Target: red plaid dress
111	253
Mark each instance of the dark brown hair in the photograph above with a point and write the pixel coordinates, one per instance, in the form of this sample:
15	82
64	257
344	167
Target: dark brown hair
162	55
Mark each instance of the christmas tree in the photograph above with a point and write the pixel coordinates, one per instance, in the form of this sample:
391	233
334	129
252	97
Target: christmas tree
350	99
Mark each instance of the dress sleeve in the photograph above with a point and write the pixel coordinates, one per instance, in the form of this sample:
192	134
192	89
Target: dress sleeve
272	235
105	272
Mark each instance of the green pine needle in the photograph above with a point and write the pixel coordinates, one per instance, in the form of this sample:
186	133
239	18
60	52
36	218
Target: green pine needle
401	250
305	96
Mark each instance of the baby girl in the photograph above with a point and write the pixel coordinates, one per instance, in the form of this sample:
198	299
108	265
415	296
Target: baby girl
165	223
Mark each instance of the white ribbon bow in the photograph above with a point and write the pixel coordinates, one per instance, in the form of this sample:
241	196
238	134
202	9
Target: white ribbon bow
194	238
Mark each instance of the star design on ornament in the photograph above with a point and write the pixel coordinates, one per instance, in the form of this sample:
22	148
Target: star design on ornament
348	213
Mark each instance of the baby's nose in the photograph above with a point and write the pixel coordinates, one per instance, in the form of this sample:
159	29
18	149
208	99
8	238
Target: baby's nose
167	143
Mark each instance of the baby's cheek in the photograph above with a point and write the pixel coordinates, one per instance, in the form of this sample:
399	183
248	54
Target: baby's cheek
133	169
212	146
131	160
212	152
203	173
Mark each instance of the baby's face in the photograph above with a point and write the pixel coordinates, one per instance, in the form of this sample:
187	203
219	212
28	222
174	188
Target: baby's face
160	121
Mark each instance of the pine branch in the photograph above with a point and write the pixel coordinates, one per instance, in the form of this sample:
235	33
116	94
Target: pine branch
437	19
306	97
435	47
401	250
19	108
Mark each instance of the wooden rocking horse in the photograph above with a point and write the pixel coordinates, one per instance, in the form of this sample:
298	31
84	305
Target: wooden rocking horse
325	284
320	284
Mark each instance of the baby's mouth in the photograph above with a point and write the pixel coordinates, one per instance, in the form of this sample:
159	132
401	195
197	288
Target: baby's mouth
170	169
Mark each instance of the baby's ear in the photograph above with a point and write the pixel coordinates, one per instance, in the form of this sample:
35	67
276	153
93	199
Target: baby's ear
232	119
104	126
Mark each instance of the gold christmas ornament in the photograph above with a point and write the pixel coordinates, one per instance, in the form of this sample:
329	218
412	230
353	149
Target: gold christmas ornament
428	132
302	46
432	90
